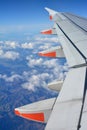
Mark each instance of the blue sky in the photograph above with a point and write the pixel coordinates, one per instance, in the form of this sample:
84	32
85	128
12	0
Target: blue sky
27	15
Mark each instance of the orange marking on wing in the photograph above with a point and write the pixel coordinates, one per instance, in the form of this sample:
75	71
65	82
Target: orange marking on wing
47	32
34	116
51	17
49	54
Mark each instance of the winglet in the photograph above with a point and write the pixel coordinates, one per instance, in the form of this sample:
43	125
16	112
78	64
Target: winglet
54	15
51	12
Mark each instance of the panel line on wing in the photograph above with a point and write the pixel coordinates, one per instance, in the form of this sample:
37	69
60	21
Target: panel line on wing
79	66
73	44
74	23
83	101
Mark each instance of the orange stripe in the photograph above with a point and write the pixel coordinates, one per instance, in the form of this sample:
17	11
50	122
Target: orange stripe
49	54
51	17
47	32
32	116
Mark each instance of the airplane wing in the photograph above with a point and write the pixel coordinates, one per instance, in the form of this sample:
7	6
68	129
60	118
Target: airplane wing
69	110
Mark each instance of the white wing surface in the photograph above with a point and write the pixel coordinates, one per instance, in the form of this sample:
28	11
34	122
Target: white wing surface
70	109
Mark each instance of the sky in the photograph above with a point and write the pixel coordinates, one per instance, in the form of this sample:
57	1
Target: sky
29	15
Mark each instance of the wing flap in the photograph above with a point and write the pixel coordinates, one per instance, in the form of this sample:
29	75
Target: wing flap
38	111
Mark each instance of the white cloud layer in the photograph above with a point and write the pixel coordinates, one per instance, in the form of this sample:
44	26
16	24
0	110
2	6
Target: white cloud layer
14	45
10	78
34	62
11	44
36	81
45	46
9	55
41	43
27	45
50	69
47	39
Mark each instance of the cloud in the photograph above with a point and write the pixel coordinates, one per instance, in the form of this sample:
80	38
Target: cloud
39	79
51	63
57	70
10	78
12	44
27	45
9	55
15	44
34	62
47	39
48	71
46	46
44	43
41	70
36	81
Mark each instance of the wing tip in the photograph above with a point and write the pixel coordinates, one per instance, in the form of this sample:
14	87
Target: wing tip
50	10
